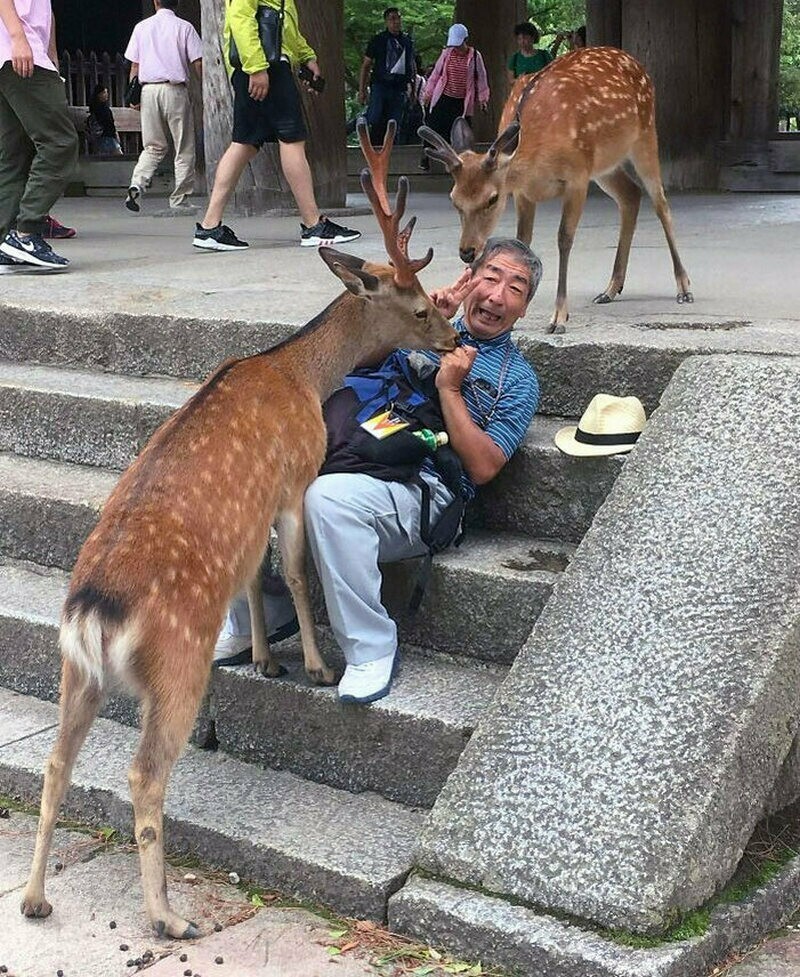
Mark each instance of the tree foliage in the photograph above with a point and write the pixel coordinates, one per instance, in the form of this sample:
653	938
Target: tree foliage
789	85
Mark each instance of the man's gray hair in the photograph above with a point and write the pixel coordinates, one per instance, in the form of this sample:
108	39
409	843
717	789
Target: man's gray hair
519	252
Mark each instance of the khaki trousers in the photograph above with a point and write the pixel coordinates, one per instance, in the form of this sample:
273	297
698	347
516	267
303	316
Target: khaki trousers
167	117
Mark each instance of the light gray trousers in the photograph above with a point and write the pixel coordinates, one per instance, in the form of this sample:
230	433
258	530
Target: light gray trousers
353	521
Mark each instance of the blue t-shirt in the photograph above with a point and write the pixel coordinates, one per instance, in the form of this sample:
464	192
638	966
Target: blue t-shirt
501	392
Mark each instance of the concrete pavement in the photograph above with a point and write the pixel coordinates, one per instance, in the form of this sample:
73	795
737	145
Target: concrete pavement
741	251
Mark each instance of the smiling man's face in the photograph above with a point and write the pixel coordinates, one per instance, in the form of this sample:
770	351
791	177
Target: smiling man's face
499	298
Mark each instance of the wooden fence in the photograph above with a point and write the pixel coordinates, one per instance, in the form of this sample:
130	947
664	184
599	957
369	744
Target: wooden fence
82	72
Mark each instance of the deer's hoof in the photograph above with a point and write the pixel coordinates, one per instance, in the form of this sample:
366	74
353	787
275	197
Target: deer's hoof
191	932
322	676
35	908
556	328
685	298
603	298
270	669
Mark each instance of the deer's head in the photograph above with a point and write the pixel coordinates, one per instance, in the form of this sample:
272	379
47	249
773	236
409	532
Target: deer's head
480	180
404	315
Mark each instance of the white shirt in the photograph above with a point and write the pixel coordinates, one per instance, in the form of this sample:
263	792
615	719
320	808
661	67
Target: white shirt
164	46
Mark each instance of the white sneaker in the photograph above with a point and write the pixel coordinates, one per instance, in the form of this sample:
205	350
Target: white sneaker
237	649
367	682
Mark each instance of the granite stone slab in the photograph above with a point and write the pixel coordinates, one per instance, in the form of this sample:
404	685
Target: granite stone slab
627	758
534	944
349	852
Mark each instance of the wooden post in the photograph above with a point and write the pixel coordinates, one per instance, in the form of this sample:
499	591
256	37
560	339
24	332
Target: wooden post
684	45
491	27
755	53
322	25
604	23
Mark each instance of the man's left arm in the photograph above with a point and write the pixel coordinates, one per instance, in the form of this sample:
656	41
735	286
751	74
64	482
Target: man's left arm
481	457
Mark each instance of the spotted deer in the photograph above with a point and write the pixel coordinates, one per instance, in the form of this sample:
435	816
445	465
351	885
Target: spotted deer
580	118
188	524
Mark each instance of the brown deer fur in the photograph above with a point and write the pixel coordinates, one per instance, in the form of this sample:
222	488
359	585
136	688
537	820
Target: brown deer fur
187	526
580	118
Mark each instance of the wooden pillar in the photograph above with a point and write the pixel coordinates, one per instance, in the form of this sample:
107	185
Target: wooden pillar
684	45
323	27
604	23
491	31
755	52
262	186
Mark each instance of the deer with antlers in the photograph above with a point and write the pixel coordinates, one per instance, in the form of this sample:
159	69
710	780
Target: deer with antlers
580	118
153	579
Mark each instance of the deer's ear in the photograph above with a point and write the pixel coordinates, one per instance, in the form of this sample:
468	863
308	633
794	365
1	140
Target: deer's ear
503	148
350	270
462	137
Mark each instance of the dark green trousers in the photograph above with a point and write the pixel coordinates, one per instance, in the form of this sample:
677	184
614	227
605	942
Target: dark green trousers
38	147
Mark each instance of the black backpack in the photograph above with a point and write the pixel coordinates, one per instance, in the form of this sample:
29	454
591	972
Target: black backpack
399	457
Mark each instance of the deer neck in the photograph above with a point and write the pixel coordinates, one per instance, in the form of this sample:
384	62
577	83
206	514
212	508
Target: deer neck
341	337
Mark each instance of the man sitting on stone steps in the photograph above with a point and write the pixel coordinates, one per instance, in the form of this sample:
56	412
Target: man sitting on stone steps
488	395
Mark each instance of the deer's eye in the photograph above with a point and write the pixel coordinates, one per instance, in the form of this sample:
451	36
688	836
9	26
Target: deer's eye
492	201
422	314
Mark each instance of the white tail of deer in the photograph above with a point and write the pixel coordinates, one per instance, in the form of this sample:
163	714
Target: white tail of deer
580	118
188	524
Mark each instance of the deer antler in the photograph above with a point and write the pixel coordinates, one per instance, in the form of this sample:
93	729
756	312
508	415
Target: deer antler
373	182
442	150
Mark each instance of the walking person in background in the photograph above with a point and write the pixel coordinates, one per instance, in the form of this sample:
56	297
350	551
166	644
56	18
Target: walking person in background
573	39
38	142
390	56
457	82
527	59
163	49
100	128
414	116
266	108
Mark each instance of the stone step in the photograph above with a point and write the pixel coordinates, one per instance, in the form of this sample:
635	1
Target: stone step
481	601
284	723
104	420
627	356
312	841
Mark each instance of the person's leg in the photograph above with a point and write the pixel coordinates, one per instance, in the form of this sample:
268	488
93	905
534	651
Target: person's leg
229	169
376	114
16	154
154	135
353	521
40	106
181	127
294	164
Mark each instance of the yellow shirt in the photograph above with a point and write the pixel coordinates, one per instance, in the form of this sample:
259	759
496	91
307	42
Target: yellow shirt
240	21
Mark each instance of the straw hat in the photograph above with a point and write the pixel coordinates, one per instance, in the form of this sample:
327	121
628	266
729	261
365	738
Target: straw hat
609	426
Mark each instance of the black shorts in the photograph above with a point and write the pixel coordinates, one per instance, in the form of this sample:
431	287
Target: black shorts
278	117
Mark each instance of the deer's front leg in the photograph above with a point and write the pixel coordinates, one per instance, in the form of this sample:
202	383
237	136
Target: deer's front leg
292	539
264	661
574	200
526	213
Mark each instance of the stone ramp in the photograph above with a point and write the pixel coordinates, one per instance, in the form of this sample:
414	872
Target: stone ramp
626	760
282	832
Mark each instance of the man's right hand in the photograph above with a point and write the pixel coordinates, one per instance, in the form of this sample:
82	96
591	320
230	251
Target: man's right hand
447	300
259	86
21	56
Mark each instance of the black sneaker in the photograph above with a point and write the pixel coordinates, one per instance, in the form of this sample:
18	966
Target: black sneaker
326	232
10	264
219	238
33	250
132	200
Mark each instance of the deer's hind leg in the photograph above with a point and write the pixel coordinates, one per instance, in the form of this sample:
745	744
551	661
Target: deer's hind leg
292	539
627	196
80	703
644	157
169	706
264	661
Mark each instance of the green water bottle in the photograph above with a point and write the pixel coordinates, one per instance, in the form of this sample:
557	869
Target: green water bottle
431	439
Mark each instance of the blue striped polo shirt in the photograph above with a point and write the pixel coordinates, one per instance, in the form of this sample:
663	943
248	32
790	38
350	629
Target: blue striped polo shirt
504	413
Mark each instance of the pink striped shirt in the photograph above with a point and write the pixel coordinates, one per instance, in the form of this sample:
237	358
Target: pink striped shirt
36	17
164	46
